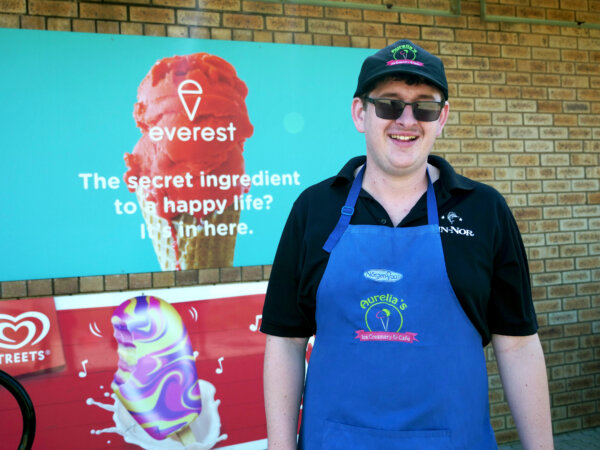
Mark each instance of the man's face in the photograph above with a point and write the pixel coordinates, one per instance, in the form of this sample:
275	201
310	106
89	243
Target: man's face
398	147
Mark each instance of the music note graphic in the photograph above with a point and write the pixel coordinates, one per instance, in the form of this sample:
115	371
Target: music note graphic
83	373
219	369
254	326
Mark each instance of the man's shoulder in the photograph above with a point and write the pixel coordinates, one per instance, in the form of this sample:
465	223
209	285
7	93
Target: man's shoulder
332	188
460	185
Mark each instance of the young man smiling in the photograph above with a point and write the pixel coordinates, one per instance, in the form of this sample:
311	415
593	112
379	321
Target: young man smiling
400	301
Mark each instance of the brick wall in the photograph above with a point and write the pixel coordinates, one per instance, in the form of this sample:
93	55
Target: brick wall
525	102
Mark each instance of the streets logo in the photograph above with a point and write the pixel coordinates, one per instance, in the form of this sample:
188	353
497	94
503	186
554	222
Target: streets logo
29	337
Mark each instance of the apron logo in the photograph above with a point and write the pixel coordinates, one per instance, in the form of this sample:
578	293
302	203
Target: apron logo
383	275
383	319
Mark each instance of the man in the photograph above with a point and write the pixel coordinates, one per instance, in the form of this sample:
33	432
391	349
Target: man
403	269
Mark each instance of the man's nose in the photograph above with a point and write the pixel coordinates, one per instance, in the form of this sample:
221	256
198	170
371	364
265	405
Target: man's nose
407	116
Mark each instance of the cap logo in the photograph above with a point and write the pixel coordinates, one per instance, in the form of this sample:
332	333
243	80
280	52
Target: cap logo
404	54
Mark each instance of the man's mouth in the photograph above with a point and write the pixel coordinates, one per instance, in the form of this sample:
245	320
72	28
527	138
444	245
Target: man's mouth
402	138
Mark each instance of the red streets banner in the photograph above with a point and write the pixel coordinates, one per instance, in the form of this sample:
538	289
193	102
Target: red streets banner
97	366
29	337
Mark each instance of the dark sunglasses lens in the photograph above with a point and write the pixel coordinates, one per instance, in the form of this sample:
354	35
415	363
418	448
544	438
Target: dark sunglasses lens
389	110
427	111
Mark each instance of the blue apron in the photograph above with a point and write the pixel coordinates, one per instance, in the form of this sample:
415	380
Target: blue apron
396	363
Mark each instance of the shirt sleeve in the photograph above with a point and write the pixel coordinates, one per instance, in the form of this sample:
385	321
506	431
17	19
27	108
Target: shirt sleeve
511	311
282	313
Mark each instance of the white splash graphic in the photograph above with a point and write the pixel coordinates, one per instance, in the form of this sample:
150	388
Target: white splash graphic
206	428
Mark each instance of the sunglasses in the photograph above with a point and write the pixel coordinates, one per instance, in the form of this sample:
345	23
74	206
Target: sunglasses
424	111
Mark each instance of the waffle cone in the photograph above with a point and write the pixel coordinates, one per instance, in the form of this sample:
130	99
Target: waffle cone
176	247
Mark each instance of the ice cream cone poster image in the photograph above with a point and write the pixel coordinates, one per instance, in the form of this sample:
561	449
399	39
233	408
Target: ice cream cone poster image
187	170
156	383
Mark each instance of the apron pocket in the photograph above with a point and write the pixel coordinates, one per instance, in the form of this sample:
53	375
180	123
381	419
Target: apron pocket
338	436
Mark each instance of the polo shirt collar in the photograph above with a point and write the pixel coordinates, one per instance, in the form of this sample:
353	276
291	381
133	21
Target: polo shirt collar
449	179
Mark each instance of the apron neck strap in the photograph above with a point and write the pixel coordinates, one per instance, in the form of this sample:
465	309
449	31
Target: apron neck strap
432	212
348	209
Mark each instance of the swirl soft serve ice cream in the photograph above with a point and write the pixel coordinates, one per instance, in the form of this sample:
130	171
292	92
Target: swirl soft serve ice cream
194	122
156	379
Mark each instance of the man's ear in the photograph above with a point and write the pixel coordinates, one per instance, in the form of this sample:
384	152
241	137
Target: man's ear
443	118
358	114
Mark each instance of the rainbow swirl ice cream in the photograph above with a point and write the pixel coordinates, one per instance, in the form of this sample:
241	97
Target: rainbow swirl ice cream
156	380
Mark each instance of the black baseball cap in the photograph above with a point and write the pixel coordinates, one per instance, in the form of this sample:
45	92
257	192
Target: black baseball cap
402	57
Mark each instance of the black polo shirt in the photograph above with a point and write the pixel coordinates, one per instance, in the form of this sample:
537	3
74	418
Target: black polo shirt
483	250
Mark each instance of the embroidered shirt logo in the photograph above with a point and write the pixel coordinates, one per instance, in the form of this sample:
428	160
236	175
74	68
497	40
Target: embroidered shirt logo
383	275
384	320
454	220
404	54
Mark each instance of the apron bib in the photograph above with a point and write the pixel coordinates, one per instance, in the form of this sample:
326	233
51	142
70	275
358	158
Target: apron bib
396	363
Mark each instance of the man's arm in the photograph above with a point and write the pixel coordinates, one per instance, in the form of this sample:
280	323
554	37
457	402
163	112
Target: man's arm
285	360
523	373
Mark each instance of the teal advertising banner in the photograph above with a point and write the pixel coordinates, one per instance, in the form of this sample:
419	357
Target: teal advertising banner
197	169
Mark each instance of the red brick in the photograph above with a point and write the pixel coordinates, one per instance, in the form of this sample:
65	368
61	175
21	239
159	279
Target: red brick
326	26
199	18
186	277
53	8
380	16
365	29
219	5
115	282
303	10
252	273
58	24
89	26
14	289
33	22
39	288
223	34
153	29
286	24
9	21
151	15
230	274
13	6
261	7
343	13
91	284
176	3
65	286
163	279
140	280
246	21
437	34
102	11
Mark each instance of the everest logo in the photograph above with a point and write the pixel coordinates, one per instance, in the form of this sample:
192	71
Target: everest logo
189	96
34	323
